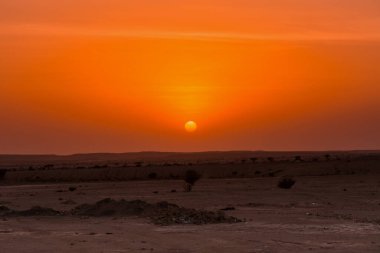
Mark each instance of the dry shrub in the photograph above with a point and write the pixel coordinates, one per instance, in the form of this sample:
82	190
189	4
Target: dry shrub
191	177
286	183
152	175
2	173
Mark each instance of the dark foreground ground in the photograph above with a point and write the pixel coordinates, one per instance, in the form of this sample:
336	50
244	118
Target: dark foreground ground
336	208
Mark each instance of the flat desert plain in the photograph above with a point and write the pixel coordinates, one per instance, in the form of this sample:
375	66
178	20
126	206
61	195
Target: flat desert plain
334	205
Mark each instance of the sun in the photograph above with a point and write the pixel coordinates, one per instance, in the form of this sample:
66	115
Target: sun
190	126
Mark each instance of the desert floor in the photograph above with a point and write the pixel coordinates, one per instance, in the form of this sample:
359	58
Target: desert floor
327	213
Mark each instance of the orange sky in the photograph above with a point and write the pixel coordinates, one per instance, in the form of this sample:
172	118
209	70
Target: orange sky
117	75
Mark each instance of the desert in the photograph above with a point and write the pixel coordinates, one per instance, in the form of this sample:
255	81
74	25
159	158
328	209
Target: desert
333	206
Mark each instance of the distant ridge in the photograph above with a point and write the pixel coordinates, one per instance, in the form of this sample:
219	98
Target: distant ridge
150	156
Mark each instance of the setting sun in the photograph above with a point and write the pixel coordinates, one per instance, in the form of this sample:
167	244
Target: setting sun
191	126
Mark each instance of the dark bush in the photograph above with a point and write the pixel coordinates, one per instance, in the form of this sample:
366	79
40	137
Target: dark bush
192	176
152	175
228	208
72	188
286	183
2	173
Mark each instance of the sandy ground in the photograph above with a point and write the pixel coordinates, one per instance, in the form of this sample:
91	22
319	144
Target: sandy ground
333	213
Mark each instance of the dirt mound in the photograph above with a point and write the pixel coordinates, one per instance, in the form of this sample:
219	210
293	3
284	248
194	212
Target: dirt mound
162	213
34	211
37	211
179	215
110	207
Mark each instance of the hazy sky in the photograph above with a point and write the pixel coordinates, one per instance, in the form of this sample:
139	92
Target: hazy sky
119	75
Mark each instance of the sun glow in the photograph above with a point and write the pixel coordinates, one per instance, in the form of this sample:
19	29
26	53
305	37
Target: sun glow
190	126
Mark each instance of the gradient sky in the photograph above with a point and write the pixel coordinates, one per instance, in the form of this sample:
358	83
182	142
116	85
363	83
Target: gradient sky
119	75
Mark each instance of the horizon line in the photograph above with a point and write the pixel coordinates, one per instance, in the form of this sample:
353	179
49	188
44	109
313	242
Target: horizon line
191	152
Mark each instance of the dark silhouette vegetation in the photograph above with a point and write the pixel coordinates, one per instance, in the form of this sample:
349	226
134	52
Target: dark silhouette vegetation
2	173
286	183
191	176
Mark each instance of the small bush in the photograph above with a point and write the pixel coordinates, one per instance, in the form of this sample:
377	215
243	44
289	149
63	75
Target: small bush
286	183
191	177
253	159
2	174
152	175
